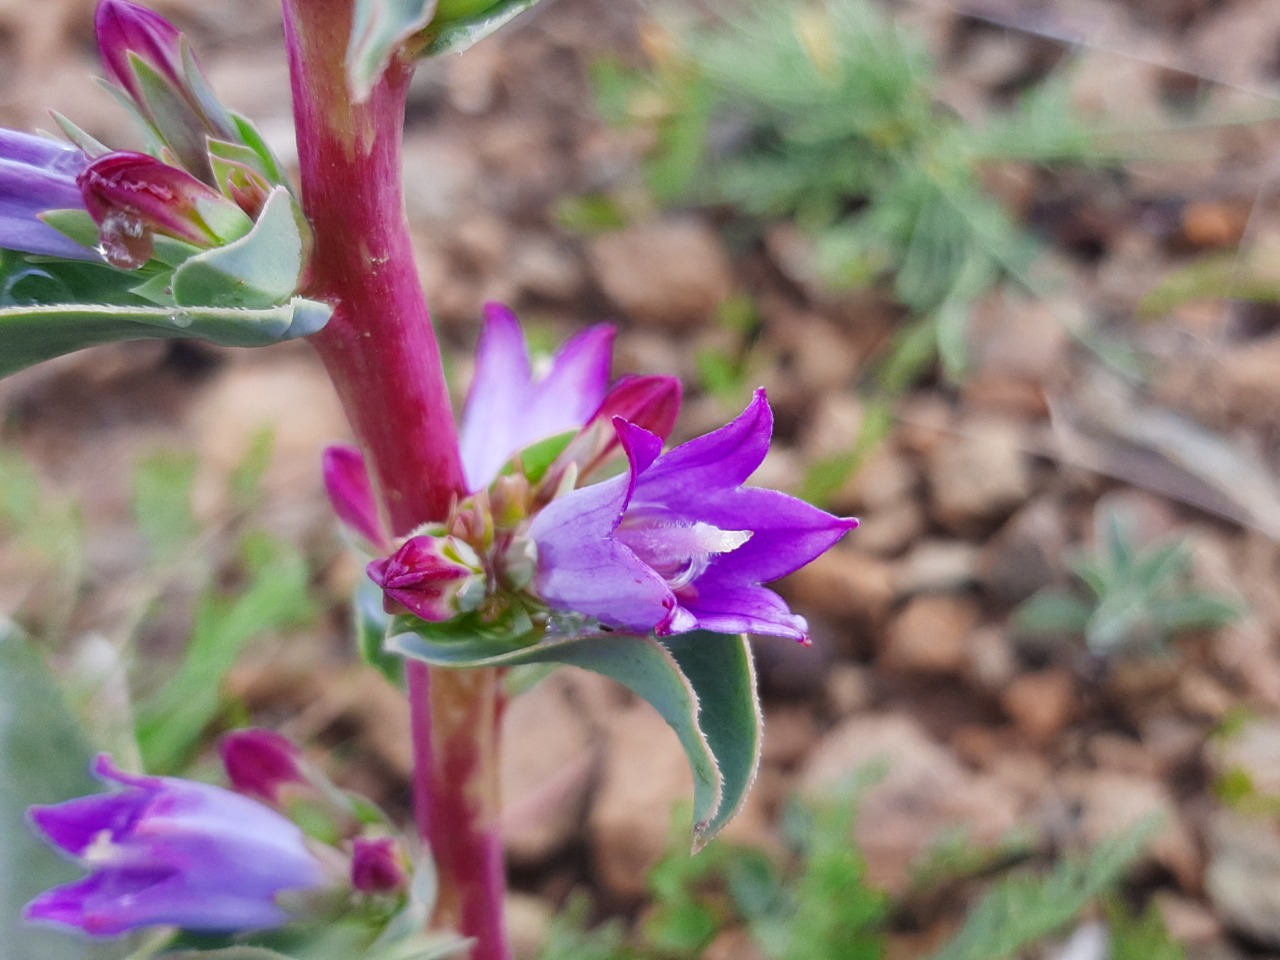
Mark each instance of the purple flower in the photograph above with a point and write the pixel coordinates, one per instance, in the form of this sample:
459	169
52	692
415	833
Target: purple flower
677	543
508	408
127	30
168	852
38	174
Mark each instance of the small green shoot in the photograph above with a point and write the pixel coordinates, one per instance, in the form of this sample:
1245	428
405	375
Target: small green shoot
1139	598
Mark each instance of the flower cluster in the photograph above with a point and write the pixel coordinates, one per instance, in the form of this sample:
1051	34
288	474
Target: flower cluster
204	184
169	852
673	542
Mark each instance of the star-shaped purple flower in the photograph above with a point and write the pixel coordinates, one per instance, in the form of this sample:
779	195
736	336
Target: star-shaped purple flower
509	408
677	543
169	852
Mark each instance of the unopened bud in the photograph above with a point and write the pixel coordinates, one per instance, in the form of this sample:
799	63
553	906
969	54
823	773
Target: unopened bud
378	866
346	480
425	576
260	763
132	196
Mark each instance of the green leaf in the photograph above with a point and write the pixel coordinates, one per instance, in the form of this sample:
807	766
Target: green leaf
1052	612
171	721
538	457
371	622
44	758
457	35
30	334
256	272
1196	611
721	672
162	484
701	683
380	28
1022	910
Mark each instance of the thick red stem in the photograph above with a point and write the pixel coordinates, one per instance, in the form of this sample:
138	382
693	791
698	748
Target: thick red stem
381	353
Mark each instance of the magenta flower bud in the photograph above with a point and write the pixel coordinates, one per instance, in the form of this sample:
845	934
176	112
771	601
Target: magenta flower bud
132	196
149	58
425	576
377	866
346	479
125	29
508	408
677	543
38	174
169	852
260	763
652	403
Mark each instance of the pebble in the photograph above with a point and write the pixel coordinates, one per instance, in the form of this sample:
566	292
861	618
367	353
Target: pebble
978	476
672	273
930	635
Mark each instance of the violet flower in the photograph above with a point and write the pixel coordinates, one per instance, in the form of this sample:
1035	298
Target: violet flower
169	852
38	174
261	763
509	408
677	543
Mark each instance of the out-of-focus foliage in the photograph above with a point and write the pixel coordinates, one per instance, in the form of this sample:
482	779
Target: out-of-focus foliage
1139	598
826	113
819	904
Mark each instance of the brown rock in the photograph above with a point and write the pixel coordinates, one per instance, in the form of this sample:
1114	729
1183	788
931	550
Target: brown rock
924	792
547	765
930	635
1254	750
789	732
1188	921
1042	703
291	397
544	268
844	582
1114	802
733	944
645	775
989	659
673	273
979	476
934	565
889	531
886	479
848	688
1025	554
1243	879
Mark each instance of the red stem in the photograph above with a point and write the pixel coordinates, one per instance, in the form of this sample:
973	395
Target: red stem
381	353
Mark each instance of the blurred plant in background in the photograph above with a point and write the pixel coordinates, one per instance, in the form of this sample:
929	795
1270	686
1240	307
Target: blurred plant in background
1140	596
827	114
819	904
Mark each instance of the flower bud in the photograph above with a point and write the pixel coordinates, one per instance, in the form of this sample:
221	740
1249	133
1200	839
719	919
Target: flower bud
132	196
346	479
651	402
149	58
425	576
260	763
377	866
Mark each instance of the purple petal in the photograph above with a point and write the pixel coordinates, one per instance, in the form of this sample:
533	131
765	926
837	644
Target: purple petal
575	386
787	533
725	607
582	568
36	151
500	396
124	28
28	235
722	459
260	763
346	479
74	825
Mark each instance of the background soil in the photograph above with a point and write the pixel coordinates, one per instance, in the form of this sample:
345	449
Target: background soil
973	503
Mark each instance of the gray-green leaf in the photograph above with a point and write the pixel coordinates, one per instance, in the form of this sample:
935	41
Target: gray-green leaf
31	334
